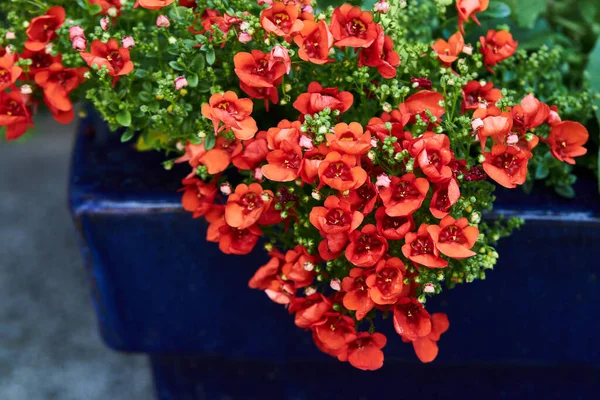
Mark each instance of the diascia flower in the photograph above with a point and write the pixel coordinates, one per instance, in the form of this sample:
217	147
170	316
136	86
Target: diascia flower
233	240
449	51
116	59
445	195
9	72
40	60
234	113
246	205
364	352
42	29
107	4
506	165
530	114
285	131
497	46
454	238
57	82
381	55
404	195
315	41
433	154
14	114
295	269
468	9
284	164
335	221
480	94
332	336
318	98
281	20
349	139
257	78
198	196
420	249
386	283
426	347
566	141
393	228
352	27
366	247
310	311
356	297
365	198
418	103
340	172
153	4
268	278
411	320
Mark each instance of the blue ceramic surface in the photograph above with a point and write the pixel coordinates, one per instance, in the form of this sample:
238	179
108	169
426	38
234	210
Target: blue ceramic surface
160	288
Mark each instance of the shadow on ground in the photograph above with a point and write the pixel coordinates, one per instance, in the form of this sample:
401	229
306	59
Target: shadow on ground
49	347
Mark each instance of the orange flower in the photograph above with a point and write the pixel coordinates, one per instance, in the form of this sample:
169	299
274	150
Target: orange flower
566	141
530	114
315	41
42	30
468	9
215	160
393	228
349	139
246	205
257	78
497	46
284	164
340	172
234	113
233	240
253	154
454	238
312	160
310	311
334	222
449	51
476	95
445	195
281	19
352	27
386	283
116	59
364	352
506	165
9	73
295	267
153	4
381	55
57	82
198	196
364	197
397	119
107	4
433	154
285	131
40	60
14	114
357	296
424	100
366	247
421	249
411	320
268	278
496	126
426	347
318	98
331	336
404	195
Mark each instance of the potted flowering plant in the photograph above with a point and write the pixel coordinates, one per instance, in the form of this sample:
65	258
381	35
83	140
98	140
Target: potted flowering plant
360	147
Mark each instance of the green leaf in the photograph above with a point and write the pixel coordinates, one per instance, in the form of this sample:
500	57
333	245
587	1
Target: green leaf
95	9
526	12
198	63
145	97
175	66
542	171
127	135
192	80
123	118
210	57
497	10
565	191
209	141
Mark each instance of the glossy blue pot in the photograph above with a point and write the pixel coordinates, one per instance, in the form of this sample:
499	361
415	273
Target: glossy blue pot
530	331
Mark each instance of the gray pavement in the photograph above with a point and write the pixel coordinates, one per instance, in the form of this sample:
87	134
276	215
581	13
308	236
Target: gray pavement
49	346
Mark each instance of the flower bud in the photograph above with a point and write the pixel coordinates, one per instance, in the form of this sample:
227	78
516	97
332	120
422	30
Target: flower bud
335	284
305	142
428	288
225	189
308	266
468	50
112	12
477	124
383	181
309	291
245	26
381	7
128	42
10	35
316	195
105	23
75	31
307	9
163	22
512	139
79	43
180	82
258	175
244	37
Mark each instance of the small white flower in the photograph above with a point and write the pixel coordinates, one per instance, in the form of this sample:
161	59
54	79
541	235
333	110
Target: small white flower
305	142
308	266
512	139
429	288
258	175
309	291
225	189
112	12
316	195
105	23
10	35
468	50
335	284
26	89
383	181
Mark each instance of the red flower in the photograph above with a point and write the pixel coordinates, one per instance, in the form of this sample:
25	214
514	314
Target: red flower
404	195
331	336
411	320
318	98
366	247
349	139
364	352
393	228
386	283
352	27
449	51
246	205
312	160
281	20
530	114
334	222
268	278
397	119
42	29
198	196
357	296
254	153
285	131
424	100
188	3
381	55
454	238
310	311
506	165
57	82
233	240
116	59
257	78
497	46
284	164
153	4
364	197
9	73
445	195
496	126
234	113
215	160
295	267
40	60
426	347
468	9
566	141
420	249
106	4
14	114
315	41
476	95
340	172
433	154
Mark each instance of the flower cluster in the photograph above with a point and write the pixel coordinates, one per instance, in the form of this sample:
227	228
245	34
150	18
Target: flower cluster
361	156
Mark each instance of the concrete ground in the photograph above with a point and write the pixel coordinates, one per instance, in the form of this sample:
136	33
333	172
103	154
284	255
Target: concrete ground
49	347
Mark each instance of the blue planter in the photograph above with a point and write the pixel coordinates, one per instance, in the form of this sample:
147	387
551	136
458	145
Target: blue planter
531	329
